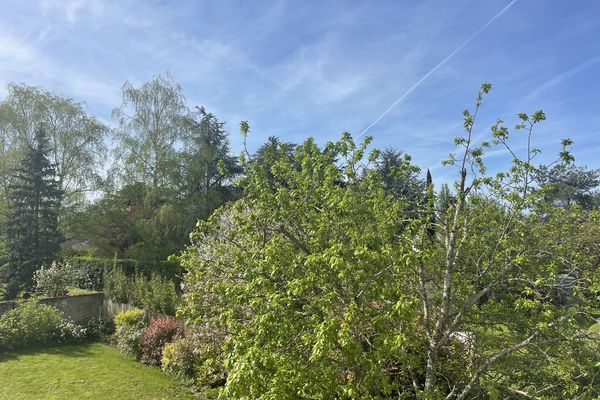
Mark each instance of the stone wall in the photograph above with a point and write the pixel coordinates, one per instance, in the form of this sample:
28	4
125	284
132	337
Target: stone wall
86	306
78	308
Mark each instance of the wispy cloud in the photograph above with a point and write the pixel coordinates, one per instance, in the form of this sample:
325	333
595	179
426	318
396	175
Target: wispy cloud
562	77
438	66
301	68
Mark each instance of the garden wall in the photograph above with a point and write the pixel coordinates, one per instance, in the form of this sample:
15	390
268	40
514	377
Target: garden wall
111	308
78	308
86	306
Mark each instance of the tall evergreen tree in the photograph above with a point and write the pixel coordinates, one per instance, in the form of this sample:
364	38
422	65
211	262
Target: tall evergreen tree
34	200
400	177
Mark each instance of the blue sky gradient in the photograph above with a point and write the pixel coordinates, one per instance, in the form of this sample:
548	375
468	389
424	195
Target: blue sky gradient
316	68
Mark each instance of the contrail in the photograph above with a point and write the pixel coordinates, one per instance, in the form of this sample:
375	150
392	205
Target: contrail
444	61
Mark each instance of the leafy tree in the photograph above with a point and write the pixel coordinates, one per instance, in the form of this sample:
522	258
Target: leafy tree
75	140
33	235
567	184
152	122
75	147
313	284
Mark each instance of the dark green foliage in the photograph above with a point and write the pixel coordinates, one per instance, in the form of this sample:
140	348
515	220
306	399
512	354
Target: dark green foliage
267	156
155	294
400	177
34	197
91	270
566	184
208	167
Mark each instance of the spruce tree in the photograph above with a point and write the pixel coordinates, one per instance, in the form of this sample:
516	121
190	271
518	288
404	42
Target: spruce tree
34	199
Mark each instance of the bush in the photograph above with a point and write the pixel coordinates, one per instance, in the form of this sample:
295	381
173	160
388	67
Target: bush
127	339
128	331
117	285
30	324
157	294
55	280
69	332
131	318
154	337
180	358
97	328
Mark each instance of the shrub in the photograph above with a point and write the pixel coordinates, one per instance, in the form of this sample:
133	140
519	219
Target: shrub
117	285
154	337
128	331
30	324
97	328
55	280
69	332
127	339
180	357
156	294
131	318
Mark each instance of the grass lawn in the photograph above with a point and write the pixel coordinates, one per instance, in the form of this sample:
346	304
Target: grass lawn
87	371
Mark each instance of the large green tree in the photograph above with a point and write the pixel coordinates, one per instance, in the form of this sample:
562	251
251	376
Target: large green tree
152	123
34	201
76	147
318	283
208	167
566	185
75	139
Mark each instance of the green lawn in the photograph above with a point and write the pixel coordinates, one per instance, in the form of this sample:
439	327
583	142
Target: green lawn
88	371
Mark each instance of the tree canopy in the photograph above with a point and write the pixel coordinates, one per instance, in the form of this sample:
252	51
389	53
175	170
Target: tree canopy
320	282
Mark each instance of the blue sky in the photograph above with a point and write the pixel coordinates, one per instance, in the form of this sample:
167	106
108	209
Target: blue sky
316	68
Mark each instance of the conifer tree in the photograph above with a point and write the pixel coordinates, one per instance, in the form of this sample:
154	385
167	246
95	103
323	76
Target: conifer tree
34	200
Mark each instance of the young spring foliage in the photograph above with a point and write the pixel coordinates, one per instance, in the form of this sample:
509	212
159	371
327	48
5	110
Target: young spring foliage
318	283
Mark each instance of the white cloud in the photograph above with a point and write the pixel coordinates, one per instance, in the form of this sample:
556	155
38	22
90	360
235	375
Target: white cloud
14	52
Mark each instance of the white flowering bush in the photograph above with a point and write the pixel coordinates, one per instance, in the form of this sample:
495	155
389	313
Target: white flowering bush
70	332
55	280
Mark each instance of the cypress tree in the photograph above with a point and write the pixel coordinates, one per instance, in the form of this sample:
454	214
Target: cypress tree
34	200
429	204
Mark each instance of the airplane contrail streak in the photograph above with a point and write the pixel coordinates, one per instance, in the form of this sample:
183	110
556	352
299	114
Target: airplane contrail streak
438	66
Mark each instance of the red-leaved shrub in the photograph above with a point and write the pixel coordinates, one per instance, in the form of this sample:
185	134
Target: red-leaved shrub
155	336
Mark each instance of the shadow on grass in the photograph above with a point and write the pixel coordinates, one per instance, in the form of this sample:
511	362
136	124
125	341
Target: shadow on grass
66	350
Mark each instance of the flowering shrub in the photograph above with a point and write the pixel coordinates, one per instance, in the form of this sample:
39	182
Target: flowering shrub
69	332
127	339
30	324
154	337
55	280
